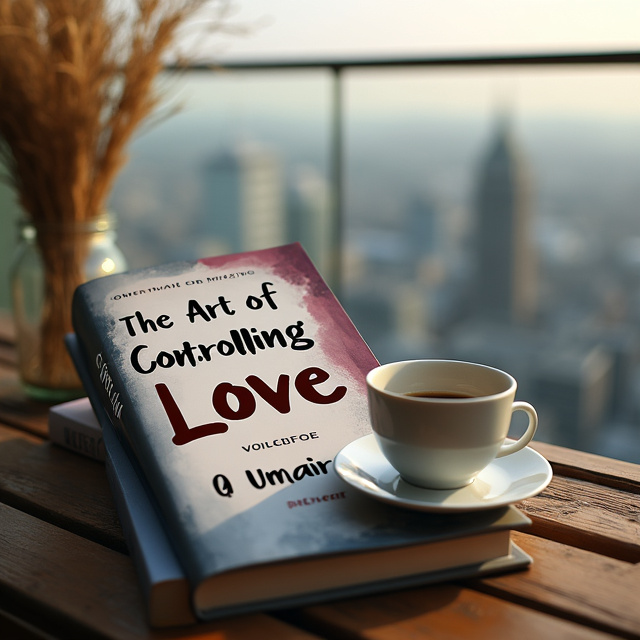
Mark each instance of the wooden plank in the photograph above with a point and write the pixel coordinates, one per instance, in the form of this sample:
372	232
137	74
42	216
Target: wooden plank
75	588
10	433
16	409
591	467
578	585
60	487
439	611
567	592
588	516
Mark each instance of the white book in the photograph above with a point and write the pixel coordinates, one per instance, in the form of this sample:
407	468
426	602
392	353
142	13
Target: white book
73	425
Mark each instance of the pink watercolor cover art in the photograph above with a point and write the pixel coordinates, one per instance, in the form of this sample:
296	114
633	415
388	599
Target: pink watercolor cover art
258	324
340	339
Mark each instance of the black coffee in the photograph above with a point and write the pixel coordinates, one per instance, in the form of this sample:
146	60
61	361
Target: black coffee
439	394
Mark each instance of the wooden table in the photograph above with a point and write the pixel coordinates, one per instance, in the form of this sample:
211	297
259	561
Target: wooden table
65	572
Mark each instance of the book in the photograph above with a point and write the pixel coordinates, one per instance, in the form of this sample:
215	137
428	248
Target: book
231	383
74	426
163	583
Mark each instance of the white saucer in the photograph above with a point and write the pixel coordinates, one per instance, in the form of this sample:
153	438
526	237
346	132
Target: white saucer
505	481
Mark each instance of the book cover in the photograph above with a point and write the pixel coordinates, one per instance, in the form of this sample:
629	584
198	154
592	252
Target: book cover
232	383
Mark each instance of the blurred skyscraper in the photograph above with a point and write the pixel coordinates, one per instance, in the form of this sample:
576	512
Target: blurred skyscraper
567	377
244	200
505	286
308	214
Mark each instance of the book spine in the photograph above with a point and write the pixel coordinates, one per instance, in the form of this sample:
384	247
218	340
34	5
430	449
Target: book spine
105	379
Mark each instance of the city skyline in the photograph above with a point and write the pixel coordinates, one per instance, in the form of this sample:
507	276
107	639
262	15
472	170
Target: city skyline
434	154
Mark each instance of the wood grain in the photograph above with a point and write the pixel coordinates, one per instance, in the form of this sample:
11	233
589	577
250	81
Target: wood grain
588	516
440	611
591	467
567	593
60	487
10	433
579	585
16	409
81	589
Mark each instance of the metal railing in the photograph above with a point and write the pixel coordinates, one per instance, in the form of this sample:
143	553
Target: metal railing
337	68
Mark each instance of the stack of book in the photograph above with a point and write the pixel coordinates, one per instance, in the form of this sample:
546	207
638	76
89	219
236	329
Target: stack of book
219	393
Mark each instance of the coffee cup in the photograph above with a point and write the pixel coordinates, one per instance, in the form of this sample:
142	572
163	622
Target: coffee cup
439	423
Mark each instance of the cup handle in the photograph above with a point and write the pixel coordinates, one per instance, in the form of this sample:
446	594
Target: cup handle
527	436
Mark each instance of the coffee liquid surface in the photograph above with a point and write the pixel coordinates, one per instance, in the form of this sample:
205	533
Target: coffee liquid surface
439	394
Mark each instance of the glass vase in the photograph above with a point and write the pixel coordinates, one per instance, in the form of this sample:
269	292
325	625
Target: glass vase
51	260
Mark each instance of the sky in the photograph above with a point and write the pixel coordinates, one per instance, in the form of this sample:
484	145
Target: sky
334	28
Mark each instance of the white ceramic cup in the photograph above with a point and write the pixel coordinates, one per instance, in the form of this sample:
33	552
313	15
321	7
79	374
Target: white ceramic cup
444	442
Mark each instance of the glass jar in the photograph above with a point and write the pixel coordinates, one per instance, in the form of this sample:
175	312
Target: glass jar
51	260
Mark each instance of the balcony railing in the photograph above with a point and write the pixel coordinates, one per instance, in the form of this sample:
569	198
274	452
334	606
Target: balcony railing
338	68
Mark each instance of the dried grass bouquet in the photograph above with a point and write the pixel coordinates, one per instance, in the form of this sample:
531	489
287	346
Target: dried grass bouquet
77	78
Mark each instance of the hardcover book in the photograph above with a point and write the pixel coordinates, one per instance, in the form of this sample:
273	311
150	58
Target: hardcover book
231	383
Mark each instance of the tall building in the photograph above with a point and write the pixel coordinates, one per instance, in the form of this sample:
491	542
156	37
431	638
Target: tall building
309	216
244	200
505	275
424	235
574	387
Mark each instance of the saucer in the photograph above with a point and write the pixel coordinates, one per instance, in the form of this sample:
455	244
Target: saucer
505	481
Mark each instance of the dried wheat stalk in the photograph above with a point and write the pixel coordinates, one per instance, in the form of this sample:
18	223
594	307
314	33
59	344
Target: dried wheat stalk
76	81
